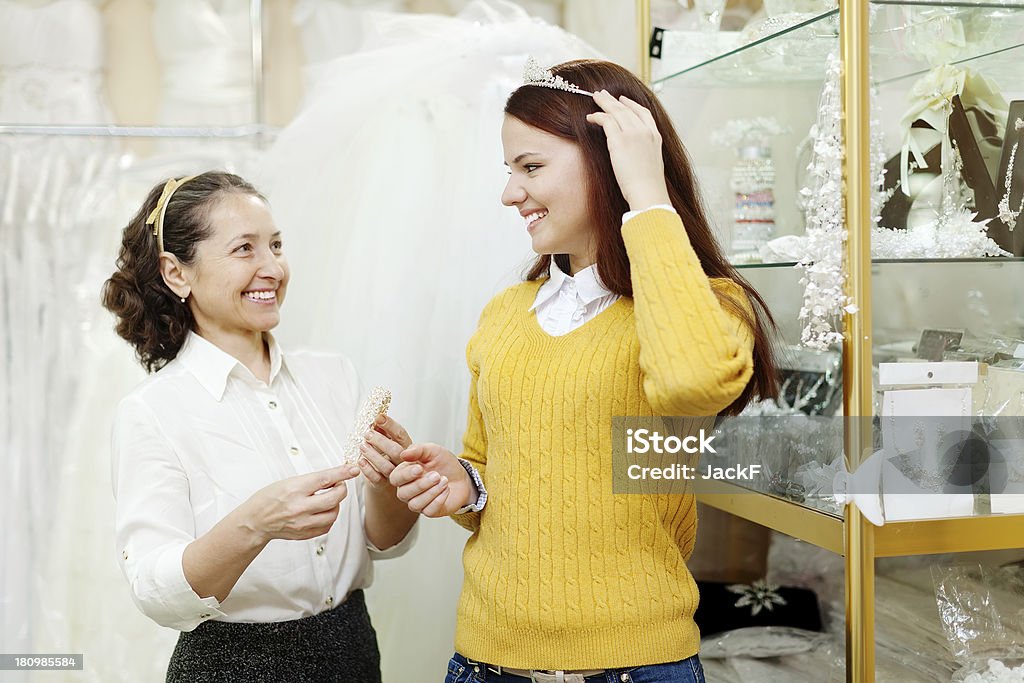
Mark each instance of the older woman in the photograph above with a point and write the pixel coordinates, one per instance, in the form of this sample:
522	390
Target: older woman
237	522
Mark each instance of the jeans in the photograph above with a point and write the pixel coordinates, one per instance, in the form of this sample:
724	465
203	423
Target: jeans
461	670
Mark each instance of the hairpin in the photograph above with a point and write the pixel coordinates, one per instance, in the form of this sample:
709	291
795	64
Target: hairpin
535	74
376	404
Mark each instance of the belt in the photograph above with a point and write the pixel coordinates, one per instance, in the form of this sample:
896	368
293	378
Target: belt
546	675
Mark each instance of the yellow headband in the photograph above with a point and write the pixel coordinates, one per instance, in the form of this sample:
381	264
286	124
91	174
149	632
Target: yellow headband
156	216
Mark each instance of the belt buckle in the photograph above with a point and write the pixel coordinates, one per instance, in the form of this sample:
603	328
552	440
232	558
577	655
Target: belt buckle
557	677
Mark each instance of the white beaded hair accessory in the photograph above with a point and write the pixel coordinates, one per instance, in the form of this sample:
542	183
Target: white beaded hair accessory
535	74
377	403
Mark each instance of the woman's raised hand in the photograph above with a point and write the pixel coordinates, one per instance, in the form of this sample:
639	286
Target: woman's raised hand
298	508
432	481
634	145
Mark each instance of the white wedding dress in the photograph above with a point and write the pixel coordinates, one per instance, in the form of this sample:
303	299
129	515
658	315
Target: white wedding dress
51	57
63	379
387	188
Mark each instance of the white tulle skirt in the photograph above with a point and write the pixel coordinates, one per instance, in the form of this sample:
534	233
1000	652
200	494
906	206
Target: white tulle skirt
387	189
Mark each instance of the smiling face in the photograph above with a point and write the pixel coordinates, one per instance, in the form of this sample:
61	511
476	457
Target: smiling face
548	185
240	275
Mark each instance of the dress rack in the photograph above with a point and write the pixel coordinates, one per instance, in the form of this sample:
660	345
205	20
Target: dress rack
258	129
245	131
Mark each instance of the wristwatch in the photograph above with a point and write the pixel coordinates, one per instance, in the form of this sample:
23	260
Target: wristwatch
481	492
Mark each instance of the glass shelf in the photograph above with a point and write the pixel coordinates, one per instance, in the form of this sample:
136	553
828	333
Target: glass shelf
907	39
993	4
744	62
895	539
784	49
986	302
993	261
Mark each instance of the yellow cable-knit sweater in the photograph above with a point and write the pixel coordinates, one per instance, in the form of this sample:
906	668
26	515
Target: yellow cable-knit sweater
559	572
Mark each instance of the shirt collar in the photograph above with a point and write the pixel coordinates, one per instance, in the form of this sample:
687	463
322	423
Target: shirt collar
212	366
589	287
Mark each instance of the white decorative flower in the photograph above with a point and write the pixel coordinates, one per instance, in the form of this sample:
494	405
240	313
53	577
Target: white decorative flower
952	235
758	595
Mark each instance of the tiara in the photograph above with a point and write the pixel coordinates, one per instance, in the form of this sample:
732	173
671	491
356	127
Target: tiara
535	74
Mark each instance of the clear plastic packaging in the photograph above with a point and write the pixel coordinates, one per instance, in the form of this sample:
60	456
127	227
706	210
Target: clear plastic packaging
762	641
982	613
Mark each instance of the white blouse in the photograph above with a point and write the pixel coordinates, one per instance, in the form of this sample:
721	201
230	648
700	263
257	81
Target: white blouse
565	302
194	441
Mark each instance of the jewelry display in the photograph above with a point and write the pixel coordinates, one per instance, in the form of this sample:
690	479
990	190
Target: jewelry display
752	181
909	463
942	197
824	300
753	178
1006	214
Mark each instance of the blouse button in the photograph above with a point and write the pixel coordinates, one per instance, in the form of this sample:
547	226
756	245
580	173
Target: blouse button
329	600
294	450
125	554
320	550
272	404
204	616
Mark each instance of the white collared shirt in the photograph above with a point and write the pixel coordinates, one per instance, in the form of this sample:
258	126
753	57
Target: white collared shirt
198	438
565	302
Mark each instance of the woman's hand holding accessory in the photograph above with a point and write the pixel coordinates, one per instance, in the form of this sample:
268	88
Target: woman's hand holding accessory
376	404
432	481
298	508
381	450
634	145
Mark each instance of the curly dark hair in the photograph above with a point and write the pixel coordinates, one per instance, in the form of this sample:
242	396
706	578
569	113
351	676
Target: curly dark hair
150	316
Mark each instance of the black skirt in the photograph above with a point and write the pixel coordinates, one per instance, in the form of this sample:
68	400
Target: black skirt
336	646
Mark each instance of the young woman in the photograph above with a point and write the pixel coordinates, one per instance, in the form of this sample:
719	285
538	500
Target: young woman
630	309
236	523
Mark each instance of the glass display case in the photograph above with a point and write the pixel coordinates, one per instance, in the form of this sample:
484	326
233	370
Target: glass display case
914	319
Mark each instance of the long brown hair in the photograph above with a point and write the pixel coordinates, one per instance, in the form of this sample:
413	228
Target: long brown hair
564	114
